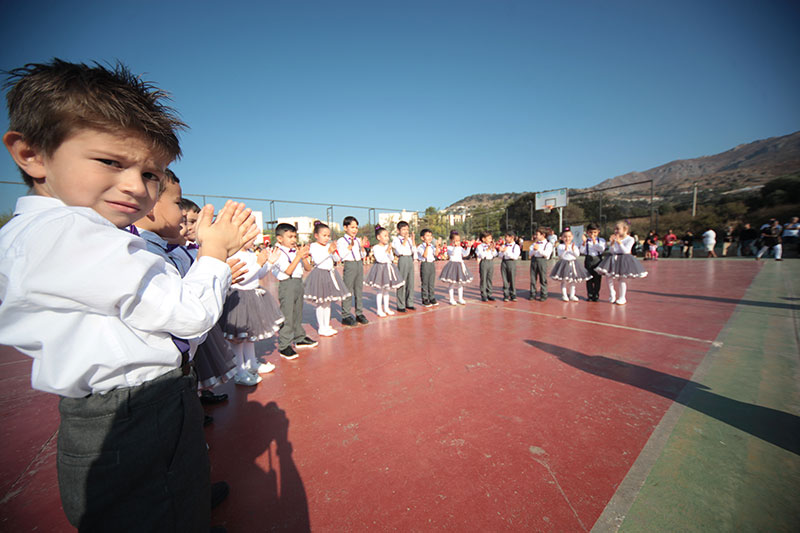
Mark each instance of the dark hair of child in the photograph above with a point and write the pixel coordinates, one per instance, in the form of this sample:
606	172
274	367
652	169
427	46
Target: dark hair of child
49	101
318	226
510	233
169	177
453	233
349	220
379	230
402	224
592	227
188	205
484	234
283	227
424	231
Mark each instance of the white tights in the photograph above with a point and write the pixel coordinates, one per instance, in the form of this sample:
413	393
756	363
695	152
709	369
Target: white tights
460	292
623	289
383	303
324	316
245	353
568	287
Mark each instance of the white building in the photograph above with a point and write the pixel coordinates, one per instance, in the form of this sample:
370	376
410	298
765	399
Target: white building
305	227
391	219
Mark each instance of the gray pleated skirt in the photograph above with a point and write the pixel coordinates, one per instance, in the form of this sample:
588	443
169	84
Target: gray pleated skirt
455	272
573	271
323	286
250	315
214	360
384	276
621	266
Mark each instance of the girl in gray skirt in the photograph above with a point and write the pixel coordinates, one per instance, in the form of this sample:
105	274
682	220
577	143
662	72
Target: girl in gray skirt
621	264
455	272
568	270
383	275
324	285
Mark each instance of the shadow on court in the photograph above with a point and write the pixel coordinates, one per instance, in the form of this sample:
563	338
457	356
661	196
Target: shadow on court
776	427
732	301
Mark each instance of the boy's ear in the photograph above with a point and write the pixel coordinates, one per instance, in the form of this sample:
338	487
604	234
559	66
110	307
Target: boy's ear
28	158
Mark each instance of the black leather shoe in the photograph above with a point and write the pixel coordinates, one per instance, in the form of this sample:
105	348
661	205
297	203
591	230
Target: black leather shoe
361	319
207	420
349	321
403	310
411	308
490	298
209	398
219	491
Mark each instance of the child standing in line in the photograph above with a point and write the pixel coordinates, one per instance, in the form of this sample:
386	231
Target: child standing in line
289	271
352	252
383	275
592	249
509	252
99	314
455	271
324	285
620	265
568	270
251	314
486	254
403	247
426	254
540	251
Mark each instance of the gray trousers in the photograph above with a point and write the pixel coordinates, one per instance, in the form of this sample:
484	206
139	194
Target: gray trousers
508	271
354	281
486	269
290	294
135	459
405	294
427	277
539	270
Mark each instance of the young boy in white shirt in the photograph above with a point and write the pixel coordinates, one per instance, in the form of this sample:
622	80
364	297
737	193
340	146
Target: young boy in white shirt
510	252
403	247
351	252
540	251
98	313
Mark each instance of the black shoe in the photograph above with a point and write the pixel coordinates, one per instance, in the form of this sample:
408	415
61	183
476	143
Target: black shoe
361	319
288	353
307	342
483	299
403	310
207	420
410	308
513	298
349	321
490	298
544	298
505	299
209	398
434	302
219	491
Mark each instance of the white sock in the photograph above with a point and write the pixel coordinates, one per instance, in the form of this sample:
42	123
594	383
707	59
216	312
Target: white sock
379	298
327	314
460	292
571	290
238	351
611	290
623	288
452	298
249	349
564	289
386	301
320	318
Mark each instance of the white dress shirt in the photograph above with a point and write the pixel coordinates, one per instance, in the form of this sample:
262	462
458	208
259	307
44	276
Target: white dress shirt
357	253
94	309
568	253
285	259
623	247
545	249
254	271
594	248
457	253
402	246
485	251
382	253
321	256
512	252
426	252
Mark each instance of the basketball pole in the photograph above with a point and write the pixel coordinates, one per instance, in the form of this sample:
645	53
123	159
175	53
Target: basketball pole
560	220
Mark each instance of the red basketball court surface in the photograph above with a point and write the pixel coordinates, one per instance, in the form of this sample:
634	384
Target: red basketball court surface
679	411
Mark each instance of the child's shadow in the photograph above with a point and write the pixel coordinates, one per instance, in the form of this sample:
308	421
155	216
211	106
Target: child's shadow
274	497
777	427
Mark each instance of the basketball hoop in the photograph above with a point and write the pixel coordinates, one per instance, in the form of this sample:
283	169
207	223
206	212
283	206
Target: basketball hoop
547	208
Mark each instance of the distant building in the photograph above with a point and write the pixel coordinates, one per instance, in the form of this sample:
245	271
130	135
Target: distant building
305	227
391	219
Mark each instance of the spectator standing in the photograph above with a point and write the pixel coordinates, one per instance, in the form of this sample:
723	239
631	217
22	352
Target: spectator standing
710	242
747	239
727	240
687	248
790	234
771	238
669	241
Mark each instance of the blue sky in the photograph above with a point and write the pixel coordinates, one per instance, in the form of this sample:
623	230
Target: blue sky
418	103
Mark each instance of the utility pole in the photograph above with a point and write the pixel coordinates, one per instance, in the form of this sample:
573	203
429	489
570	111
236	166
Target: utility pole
652	207
694	200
